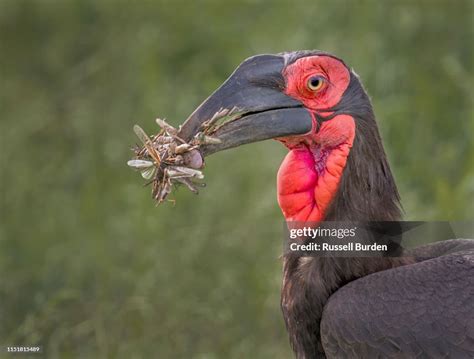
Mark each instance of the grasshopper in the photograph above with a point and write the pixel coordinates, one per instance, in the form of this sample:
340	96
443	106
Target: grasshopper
162	159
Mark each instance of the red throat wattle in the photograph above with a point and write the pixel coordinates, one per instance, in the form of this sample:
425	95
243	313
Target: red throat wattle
309	177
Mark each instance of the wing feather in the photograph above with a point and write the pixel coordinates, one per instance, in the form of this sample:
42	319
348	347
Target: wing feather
424	310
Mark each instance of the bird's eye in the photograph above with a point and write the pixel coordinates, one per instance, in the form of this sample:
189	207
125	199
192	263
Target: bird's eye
315	83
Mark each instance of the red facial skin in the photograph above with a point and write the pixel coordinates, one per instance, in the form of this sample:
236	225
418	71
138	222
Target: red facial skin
310	174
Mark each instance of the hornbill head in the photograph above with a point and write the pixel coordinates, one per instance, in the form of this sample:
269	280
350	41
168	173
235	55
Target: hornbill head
315	105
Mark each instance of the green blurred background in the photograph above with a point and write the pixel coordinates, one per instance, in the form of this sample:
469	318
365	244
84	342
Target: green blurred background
90	268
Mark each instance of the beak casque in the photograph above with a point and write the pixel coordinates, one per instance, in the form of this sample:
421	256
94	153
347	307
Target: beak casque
255	91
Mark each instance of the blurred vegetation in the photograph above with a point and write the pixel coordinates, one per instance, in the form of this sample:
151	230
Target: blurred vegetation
90	268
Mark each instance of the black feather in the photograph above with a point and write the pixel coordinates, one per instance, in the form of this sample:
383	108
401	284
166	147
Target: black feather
417	305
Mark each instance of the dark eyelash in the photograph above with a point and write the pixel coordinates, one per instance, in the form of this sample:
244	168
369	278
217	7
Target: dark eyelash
326	78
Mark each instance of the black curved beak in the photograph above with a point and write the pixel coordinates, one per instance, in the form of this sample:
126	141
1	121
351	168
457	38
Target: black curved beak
255	90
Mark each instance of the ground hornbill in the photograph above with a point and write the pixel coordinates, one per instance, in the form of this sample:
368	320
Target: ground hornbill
417	305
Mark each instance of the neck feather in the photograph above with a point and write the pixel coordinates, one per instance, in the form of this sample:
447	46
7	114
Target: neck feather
366	192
